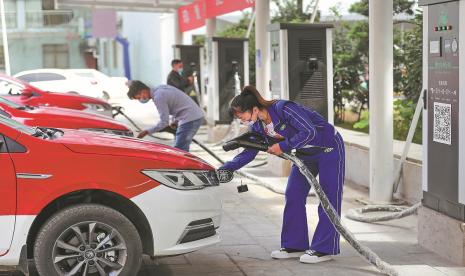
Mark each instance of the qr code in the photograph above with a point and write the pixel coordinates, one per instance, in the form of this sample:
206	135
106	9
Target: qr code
442	123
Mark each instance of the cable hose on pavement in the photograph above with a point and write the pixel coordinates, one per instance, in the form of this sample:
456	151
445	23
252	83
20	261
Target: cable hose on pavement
335	219
400	212
333	216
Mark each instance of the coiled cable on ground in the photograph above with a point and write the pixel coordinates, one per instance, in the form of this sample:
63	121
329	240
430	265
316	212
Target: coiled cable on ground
399	212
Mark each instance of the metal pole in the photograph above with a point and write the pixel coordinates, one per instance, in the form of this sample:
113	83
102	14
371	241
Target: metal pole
211	27
249	29
381	97
315	10
262	10
6	53
408	142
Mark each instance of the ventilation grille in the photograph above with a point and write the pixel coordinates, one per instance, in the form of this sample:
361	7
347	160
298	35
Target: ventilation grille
310	47
312	86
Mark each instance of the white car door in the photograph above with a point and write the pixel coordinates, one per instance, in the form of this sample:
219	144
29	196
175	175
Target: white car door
8	195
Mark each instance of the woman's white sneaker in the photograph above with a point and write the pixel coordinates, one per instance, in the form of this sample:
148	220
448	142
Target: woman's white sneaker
285	253
313	257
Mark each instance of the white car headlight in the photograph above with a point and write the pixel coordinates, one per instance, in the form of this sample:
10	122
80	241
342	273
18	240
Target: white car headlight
95	107
184	179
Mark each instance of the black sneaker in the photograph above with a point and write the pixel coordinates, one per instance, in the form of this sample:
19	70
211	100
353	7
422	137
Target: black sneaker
313	257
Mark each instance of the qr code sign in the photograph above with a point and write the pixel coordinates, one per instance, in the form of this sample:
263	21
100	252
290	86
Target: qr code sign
442	123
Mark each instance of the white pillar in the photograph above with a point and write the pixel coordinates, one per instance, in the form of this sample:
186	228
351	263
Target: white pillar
262	56
6	53
178	39
381	97
211	27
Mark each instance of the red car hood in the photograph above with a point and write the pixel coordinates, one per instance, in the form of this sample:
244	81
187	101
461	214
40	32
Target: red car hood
78	97
68	97
81	142
64	112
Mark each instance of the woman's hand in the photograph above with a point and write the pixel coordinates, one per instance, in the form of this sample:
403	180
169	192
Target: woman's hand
275	149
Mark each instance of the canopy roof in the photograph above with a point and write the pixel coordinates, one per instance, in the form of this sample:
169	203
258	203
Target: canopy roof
124	5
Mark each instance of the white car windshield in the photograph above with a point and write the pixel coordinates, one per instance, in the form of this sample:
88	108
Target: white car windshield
16	125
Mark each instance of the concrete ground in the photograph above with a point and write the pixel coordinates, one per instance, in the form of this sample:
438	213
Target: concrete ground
251	227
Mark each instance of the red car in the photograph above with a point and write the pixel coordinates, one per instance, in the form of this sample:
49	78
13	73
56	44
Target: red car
82	204
61	118
26	94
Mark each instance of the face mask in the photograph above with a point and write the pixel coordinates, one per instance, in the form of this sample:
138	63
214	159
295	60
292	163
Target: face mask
144	100
251	121
248	123
180	71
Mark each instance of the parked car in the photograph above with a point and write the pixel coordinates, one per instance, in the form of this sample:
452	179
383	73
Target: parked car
61	80
62	118
114	87
82	204
23	93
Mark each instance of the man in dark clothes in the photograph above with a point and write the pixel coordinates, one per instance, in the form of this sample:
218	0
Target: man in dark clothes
182	81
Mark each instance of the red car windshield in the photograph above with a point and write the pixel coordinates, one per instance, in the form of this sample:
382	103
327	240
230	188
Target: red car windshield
11	104
16	125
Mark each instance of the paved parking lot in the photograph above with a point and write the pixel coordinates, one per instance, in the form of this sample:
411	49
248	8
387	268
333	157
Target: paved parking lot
251	230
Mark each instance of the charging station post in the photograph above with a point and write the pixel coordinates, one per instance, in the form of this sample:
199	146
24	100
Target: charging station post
441	220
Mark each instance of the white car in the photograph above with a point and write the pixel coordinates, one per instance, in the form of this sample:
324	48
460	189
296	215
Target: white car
91	205
114	87
61	80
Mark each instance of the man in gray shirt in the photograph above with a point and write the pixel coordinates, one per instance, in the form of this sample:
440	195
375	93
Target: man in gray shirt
170	101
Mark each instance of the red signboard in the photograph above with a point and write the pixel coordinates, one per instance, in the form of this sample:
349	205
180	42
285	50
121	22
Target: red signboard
191	16
219	7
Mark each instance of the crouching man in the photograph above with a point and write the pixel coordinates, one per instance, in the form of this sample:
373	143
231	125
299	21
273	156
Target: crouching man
170	101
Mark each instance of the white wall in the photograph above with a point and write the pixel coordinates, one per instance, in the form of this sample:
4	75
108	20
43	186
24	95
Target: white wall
167	41
145	35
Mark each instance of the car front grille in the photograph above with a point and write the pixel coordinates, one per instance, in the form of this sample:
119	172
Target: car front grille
197	230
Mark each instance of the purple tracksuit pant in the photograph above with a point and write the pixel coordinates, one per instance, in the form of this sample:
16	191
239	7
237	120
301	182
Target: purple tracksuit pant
330	168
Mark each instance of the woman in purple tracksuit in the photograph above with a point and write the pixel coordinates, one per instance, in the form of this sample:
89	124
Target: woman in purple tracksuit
296	126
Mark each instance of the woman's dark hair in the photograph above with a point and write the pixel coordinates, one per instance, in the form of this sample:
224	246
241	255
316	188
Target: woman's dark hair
248	99
135	87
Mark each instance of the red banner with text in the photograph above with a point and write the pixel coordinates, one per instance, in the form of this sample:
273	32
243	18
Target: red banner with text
219	7
191	16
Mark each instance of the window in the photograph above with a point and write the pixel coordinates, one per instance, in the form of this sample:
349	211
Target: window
10	103
16	125
27	77
48	4
55	56
34	77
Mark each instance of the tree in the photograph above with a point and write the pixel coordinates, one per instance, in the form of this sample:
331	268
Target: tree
292	11
240	30
287	11
400	6
409	64
357	33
